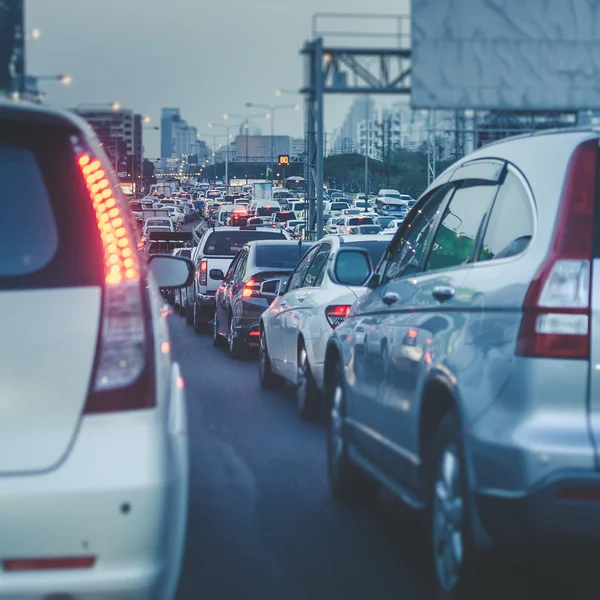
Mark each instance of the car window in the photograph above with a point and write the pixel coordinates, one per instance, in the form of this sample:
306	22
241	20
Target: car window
312	275
455	237
510	227
227	243
407	252
298	275
233	266
240	270
280	256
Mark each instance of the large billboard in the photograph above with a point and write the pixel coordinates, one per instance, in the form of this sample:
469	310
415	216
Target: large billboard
261	146
506	54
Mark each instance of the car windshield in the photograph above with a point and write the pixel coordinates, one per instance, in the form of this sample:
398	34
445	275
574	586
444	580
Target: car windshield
227	243
159	223
280	256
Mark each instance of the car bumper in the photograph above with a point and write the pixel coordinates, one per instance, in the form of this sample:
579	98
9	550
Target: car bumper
565	509
117	496
247	327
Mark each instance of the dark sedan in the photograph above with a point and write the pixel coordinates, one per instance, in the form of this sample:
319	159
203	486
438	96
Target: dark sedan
248	289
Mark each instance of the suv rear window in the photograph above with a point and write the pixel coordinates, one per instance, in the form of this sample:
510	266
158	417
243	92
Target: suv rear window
227	243
338	206
360	221
50	237
280	256
266	212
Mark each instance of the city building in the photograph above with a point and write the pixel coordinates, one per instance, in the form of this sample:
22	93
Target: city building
168	120
120	133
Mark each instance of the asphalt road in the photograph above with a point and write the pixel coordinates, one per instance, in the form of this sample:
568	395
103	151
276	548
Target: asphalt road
262	524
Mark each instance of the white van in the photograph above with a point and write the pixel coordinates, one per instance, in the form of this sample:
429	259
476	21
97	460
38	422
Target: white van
224	212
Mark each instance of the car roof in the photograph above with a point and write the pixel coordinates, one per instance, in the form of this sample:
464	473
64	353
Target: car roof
17	110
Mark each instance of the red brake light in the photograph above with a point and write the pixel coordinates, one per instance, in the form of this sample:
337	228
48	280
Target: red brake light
204	272
48	564
251	288
122	379
556	310
336	314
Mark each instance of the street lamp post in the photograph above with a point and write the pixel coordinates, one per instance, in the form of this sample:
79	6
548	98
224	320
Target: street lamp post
226	128
272	110
214	145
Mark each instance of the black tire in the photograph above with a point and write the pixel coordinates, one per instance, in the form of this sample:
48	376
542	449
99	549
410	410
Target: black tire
189	313
347	483
218	341
266	377
447	446
308	397
199	325
236	347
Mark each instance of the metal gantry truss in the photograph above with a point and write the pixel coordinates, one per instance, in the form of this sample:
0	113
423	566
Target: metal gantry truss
346	70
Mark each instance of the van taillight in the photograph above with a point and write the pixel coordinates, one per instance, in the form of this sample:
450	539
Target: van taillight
204	272
121	380
556	311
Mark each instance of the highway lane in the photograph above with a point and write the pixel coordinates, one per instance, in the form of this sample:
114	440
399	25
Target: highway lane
261	521
262	524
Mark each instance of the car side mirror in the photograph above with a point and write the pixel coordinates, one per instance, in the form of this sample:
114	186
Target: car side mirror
351	266
374	281
216	274
270	288
171	272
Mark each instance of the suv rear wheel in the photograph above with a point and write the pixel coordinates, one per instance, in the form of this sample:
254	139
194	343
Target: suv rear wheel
199	325
452	553
266	377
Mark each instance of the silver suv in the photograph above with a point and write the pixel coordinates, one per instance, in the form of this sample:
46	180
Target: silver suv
467	379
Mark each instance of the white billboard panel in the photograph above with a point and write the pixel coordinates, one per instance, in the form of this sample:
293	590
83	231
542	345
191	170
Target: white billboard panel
257	146
506	54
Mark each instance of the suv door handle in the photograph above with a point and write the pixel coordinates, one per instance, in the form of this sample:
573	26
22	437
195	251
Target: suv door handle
390	298
443	292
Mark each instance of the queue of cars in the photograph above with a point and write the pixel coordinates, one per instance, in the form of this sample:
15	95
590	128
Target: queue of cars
456	364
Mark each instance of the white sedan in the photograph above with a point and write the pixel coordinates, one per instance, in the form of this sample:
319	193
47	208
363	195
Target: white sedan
93	434
294	330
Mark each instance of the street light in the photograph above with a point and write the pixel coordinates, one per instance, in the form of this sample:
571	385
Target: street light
64	78
226	128
281	92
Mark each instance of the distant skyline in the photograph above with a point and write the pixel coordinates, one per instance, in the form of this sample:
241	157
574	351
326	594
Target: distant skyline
206	59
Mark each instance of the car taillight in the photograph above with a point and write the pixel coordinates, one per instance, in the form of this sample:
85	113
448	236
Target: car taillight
556	311
336	314
204	272
121	361
251	288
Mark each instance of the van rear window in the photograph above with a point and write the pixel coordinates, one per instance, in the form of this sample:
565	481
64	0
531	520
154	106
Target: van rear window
49	236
